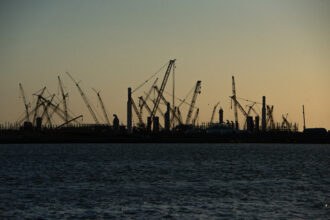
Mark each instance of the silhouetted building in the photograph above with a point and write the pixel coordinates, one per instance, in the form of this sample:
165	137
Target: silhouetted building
115	122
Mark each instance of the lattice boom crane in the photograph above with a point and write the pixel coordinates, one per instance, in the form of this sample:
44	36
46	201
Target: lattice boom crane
85	99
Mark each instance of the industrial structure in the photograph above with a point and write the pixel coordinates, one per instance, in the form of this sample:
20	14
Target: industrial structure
151	113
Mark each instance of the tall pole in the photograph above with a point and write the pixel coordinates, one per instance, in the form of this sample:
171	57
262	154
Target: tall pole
304	116
129	111
173	92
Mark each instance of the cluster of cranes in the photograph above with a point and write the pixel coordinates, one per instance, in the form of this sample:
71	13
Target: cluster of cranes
269	118
46	106
176	116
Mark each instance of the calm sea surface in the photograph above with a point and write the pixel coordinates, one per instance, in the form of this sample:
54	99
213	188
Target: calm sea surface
176	181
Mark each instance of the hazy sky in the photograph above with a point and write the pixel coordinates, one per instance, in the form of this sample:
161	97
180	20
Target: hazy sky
280	49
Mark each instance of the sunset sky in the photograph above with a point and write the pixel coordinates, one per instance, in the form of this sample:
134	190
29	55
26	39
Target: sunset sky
279	49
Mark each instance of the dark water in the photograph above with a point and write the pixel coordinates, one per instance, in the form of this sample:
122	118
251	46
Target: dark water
178	181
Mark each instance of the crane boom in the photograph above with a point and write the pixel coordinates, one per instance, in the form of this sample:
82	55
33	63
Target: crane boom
26	105
162	87
38	104
65	123
147	107
213	112
46	105
241	108
85	99
102	105
148	95
158	109
193	100
195	117
137	112
64	96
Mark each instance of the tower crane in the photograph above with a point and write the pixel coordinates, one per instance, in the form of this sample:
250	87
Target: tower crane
193	100
64	96
195	117
26	105
84	98
162	87
213	112
102	105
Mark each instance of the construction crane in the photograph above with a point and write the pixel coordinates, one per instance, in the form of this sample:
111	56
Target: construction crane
235	102
67	122
285	124
147	96
64	96
46	113
85	99
143	102
270	119
102	105
195	117
213	112
138	113
26	105
178	112
193	100
38	103
148	108
162	88
55	108
174	115
251	108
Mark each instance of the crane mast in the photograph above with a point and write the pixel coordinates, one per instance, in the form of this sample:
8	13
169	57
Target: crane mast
26	105
213	112
102	105
193	100
162	87
85	99
64	96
